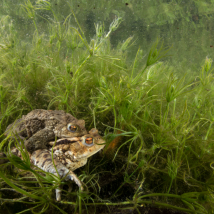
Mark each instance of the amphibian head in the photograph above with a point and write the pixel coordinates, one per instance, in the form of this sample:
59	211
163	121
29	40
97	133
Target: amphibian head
70	129
74	152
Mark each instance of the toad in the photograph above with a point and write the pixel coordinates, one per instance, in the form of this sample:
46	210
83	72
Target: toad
68	154
74	152
40	126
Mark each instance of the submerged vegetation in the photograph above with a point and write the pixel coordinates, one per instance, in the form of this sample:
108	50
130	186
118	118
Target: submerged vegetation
158	124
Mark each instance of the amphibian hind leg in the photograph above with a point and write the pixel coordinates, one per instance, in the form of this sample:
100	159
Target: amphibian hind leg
16	130
43	159
39	140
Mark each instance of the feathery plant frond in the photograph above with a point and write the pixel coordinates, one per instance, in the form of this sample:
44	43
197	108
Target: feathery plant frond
157	122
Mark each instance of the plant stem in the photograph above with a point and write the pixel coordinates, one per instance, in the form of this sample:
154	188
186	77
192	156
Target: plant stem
142	202
80	202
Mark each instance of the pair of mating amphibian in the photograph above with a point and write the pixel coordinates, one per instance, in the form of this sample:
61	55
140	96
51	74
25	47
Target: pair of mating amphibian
39	128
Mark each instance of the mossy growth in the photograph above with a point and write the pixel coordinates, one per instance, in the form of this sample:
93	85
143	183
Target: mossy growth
158	124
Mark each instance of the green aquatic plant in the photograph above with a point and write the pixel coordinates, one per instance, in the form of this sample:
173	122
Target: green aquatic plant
159	120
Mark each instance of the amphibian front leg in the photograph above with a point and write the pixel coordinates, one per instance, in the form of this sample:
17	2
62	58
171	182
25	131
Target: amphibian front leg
39	140
43	160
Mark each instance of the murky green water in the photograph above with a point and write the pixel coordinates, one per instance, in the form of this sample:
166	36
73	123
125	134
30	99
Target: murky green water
187	25
166	121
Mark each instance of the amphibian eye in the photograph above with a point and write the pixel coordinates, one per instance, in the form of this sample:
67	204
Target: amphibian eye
72	128
89	141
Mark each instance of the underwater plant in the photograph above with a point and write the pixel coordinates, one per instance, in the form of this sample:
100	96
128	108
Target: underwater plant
157	122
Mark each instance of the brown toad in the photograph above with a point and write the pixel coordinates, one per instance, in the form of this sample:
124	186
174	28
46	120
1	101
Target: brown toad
40	126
